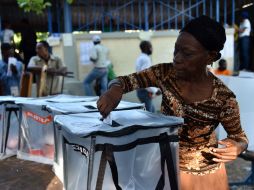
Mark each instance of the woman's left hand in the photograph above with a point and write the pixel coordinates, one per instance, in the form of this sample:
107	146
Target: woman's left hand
228	153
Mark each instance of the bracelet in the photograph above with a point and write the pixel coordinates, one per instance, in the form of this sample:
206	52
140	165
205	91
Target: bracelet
114	82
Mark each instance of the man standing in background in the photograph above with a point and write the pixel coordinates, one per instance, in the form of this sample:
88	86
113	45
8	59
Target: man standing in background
7	34
99	57
143	62
244	41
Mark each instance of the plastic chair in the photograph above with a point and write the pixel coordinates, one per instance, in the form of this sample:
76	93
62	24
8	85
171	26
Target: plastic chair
26	84
39	73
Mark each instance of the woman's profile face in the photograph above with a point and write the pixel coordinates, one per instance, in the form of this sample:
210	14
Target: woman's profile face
190	57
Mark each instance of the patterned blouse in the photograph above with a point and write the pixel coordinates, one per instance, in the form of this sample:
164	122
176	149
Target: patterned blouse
200	118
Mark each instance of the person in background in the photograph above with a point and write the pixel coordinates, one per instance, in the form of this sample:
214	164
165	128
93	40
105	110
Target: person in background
10	71
143	62
51	63
222	69
244	41
7	34
111	76
28	41
99	57
190	91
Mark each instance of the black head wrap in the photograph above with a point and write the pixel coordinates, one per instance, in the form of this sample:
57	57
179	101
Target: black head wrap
208	32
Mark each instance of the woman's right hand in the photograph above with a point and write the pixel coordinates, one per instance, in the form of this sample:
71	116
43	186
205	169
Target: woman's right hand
109	100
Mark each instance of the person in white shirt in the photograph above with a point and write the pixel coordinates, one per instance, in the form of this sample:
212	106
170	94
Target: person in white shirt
144	62
244	41
99	57
8	34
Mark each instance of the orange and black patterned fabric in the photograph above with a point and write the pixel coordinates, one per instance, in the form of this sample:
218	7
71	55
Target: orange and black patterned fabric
200	118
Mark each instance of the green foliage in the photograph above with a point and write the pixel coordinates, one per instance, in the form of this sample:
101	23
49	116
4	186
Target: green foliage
42	36
36	5
70	1
33	5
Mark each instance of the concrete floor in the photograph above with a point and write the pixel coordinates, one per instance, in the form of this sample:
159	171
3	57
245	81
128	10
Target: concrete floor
18	174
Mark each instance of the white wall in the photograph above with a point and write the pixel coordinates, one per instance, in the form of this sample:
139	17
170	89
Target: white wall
124	49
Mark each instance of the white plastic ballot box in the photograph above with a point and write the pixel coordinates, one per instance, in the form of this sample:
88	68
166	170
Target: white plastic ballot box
36	131
133	149
9	126
80	107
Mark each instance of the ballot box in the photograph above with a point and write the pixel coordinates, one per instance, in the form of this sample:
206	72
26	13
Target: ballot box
133	149
36	142
77	107
38	138
9	126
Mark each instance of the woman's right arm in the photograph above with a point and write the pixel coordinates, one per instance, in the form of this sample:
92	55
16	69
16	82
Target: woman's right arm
146	78
150	77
